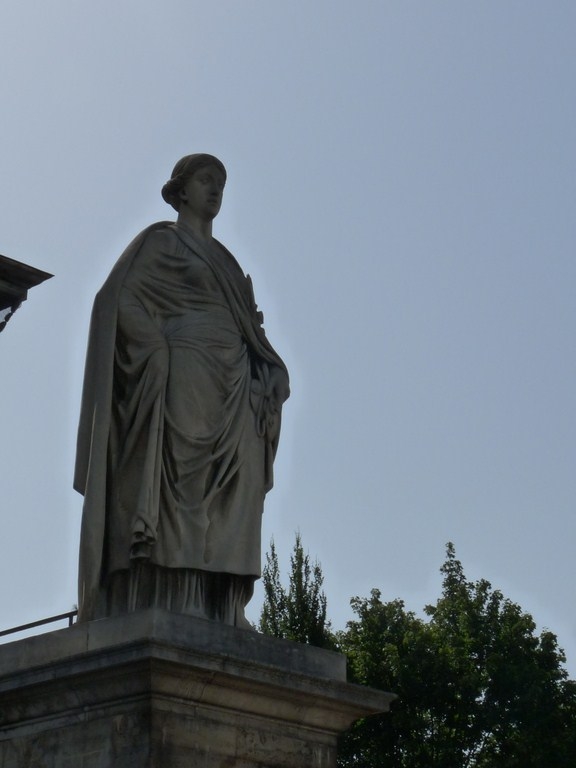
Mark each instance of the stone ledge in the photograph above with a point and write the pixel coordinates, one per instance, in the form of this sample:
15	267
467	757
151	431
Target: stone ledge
177	631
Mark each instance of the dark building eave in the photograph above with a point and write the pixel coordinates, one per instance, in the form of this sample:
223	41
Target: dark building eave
16	279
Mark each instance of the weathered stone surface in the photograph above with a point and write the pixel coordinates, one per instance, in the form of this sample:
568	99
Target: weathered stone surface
161	690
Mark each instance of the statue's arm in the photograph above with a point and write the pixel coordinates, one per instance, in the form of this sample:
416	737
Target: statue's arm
139	334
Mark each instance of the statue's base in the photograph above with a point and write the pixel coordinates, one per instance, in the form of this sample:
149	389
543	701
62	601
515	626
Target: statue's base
161	690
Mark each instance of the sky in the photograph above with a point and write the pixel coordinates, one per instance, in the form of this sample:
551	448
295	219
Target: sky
401	188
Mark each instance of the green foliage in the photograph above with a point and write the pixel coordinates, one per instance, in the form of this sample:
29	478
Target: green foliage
298	613
477	687
273	614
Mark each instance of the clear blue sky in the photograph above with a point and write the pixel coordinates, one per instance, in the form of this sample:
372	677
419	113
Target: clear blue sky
401	188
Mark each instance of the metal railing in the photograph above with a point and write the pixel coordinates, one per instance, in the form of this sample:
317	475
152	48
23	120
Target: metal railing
61	616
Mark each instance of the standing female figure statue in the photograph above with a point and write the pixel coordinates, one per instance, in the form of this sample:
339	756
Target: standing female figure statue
179	422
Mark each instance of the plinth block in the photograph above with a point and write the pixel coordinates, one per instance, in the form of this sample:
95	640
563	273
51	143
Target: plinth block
162	690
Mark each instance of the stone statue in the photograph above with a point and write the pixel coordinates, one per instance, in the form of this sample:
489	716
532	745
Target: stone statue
180	419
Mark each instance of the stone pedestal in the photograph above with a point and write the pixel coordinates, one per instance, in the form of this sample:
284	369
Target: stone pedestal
161	690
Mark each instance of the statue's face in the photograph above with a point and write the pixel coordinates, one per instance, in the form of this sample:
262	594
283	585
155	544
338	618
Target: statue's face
202	193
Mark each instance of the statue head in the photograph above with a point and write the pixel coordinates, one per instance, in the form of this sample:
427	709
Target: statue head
183	170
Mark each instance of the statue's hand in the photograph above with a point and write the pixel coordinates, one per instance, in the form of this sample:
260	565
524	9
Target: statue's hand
278	389
267	393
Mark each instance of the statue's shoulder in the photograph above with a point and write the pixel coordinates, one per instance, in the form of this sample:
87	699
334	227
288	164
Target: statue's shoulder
160	236
156	237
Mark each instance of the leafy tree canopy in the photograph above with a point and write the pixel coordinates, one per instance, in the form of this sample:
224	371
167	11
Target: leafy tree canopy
477	686
299	612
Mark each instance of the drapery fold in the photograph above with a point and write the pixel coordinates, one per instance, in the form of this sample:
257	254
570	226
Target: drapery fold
178	431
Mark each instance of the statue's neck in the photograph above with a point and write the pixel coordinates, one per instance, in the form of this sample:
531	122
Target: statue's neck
200	228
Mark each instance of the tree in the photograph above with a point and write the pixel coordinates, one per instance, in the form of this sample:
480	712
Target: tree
273	614
477	687
388	648
298	613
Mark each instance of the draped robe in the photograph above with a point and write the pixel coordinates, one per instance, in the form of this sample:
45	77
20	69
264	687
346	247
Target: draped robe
178	430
